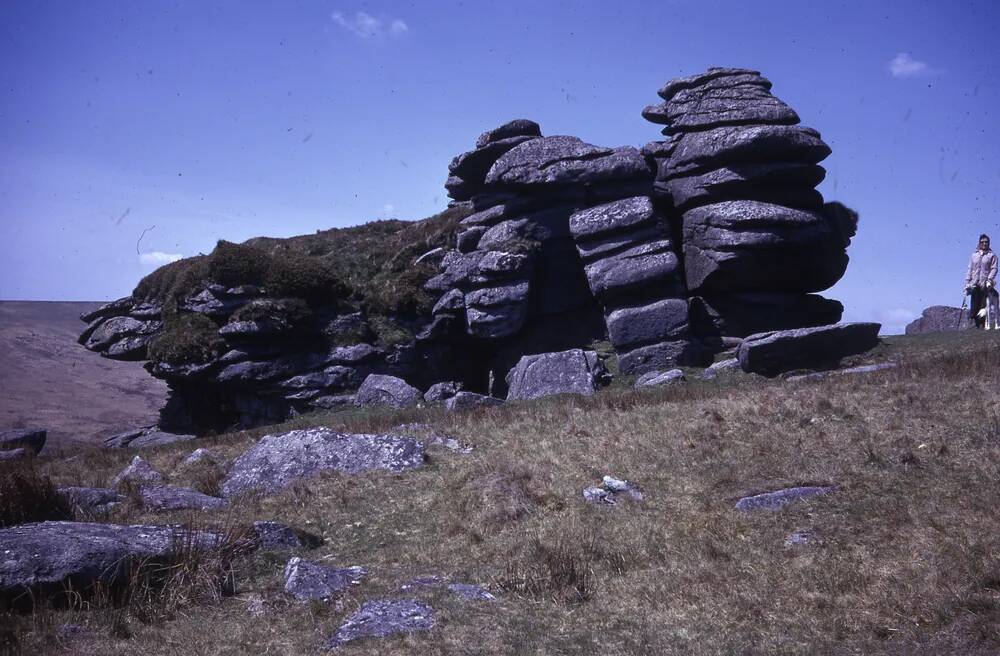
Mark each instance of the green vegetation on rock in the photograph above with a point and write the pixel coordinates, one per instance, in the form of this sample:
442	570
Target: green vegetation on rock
187	339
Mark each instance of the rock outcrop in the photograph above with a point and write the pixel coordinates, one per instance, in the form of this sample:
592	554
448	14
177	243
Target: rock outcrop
670	252
940	318
776	352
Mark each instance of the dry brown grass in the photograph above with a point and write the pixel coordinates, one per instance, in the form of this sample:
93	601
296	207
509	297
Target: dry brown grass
26	495
905	555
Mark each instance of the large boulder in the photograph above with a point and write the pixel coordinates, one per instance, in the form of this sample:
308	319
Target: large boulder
48	556
773	353
568	372
940	318
31	438
394	392
278	460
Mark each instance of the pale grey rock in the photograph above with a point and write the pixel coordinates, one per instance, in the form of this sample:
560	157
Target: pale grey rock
379	389
147	436
138	472
306	580
779	498
278	460
471	592
657	378
623	215
384	617
90	499
163	498
730	364
646	264
441	392
468	400
660	357
567	372
564	160
654	322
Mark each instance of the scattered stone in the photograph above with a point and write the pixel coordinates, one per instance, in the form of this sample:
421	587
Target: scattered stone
90	499
441	392
42	557
568	372
272	536
384	617
139	472
471	592
469	400
278	460
163	498
394	392
306	580
799	538
146	436
31	438
777	499
655	378
198	456
732	364
770	354
610	490
428	581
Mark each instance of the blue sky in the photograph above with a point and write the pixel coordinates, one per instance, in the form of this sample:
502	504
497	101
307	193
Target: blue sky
131	132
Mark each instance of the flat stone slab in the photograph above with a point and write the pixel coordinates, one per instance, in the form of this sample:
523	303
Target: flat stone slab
45	555
307	580
863	369
469	400
31	438
278	460
384	617
774	353
144	437
779	498
163	498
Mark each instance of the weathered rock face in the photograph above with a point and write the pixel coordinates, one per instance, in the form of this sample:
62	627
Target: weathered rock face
570	372
757	237
940	318
669	252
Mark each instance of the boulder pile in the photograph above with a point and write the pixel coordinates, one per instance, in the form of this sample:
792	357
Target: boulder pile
672	253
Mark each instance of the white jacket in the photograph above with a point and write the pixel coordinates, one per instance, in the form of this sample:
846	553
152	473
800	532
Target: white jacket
982	268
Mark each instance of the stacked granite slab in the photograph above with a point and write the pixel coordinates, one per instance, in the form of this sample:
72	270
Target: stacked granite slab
741	174
633	269
516	265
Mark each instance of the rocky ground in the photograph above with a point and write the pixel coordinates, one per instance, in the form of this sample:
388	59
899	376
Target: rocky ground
50	381
849	512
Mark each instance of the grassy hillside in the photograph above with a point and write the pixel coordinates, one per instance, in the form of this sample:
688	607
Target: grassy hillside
904	557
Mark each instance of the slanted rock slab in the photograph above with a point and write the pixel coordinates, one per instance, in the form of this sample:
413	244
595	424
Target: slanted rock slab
46	555
384	617
471	591
161	498
567	372
145	437
779	498
770	354
656	378
92	499
394	392
278	460
306	580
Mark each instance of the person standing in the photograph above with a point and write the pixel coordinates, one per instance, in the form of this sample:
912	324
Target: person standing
981	279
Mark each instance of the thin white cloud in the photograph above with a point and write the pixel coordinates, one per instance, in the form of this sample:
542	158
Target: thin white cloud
904	65
158	258
894	320
388	209
365	26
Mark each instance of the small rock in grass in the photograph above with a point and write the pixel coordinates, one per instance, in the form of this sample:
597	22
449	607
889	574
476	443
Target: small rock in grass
384	617
798	538
139	471
470	591
779	498
655	378
306	580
